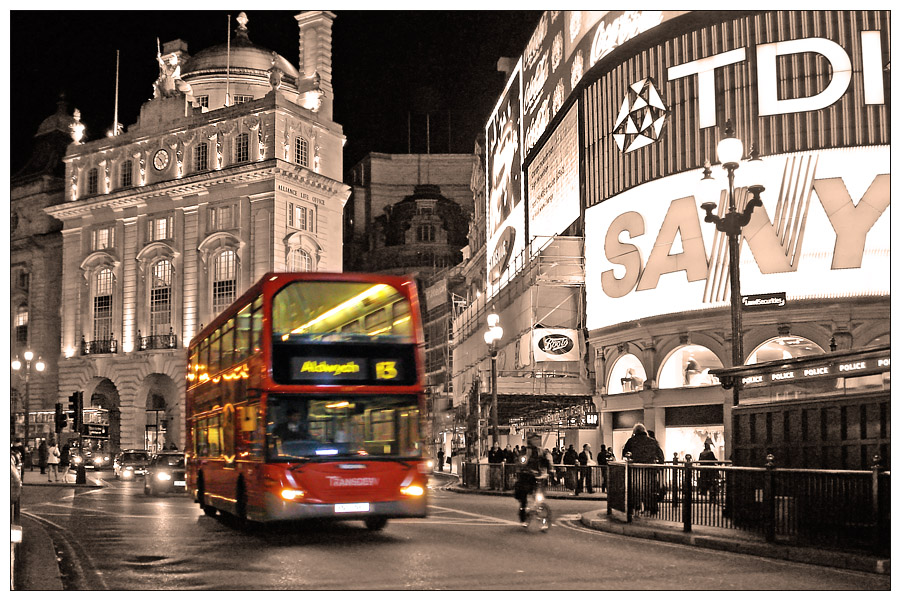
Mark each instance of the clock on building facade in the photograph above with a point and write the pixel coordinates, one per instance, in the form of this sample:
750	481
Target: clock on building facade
160	160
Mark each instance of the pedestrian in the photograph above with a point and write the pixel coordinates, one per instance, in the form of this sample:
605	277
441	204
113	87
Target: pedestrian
440	456
64	461
570	458
495	454
557	455
707	476
603	462
526	482
645	449
42	457
508	455
585	479
517	452
53	461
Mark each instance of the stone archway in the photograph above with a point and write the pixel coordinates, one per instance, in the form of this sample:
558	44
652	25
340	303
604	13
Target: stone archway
162	420
103	394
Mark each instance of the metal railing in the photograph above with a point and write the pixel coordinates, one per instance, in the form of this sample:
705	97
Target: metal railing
108	346
847	509
563	478
165	341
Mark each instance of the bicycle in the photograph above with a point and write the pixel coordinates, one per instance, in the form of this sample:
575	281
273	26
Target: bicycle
537	512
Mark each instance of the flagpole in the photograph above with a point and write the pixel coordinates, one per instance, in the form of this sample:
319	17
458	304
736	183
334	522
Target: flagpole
228	66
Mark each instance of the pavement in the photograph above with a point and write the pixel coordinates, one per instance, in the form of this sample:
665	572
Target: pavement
38	564
727	540
38	567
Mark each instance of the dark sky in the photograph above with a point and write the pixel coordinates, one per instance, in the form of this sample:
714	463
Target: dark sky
390	68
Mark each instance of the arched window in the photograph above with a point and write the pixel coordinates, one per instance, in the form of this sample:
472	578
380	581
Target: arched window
626	375
92	182
224	285
22	324
103	304
688	366
161	297
781	347
242	148
125	174
301	151
299	260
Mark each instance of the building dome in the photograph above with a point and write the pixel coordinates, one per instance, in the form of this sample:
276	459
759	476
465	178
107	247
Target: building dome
246	57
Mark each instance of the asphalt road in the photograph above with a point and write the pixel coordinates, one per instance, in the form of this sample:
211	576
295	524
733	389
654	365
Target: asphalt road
115	538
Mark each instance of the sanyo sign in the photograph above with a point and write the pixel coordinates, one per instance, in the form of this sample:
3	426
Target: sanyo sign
767	56
823	231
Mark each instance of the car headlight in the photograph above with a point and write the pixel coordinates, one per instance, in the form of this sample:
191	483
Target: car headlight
163	476
77	460
98	460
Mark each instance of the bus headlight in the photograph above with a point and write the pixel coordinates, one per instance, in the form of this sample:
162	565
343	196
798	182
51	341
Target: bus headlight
412	490
163	476
289	494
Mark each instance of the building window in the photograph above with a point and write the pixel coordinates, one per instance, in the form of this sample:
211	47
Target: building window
102	238
425	233
242	98
92	182
688	366
299	260
103	304
160	228
126	173
221	217
203	101
242	148
626	375
224	286
301	151
300	217
23	280
201	157
783	347
22	325
161	297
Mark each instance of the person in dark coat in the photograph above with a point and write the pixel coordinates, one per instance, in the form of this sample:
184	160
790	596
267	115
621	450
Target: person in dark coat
585	457
707	476
645	449
603	462
571	458
440	456
557	455
495	455
43	453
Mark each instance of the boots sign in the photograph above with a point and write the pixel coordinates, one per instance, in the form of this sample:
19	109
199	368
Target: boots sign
823	231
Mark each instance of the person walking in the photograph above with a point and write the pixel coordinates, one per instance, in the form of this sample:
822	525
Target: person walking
645	449
42	457
440	456
570	458
53	462
585	458
707	476
603	462
64	461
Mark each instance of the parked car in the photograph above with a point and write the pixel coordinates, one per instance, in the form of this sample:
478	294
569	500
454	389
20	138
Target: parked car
130	464
165	474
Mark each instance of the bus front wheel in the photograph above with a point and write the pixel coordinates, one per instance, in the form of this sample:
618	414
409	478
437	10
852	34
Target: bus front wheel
375	523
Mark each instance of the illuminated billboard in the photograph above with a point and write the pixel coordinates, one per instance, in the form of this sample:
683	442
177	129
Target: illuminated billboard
553	200
506	215
566	45
823	232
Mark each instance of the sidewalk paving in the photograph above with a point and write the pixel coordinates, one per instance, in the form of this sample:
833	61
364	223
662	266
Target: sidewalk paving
92	478
712	538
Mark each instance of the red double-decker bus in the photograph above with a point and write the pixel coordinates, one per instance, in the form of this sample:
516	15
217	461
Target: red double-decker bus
305	400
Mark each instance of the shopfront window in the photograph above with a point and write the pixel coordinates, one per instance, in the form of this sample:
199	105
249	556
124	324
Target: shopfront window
688	366
782	347
626	375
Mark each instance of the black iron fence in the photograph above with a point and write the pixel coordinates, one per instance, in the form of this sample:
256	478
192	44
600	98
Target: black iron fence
107	346
157	342
846	509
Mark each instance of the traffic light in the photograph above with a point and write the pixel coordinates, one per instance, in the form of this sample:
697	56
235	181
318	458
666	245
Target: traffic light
75	407
60	417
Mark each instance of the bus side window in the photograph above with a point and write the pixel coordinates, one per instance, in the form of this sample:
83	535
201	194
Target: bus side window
201	445
215	436
214	352
257	325
242	335
227	344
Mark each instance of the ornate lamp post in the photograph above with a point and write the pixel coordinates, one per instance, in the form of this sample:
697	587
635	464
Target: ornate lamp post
491	337
730	151
17	365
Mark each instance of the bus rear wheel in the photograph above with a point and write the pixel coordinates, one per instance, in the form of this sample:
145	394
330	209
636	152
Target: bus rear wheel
209	511
375	523
240	507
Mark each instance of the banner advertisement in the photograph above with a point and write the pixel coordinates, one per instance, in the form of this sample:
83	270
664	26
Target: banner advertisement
555	345
553	201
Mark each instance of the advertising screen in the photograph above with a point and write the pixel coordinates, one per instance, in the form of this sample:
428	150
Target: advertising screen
823	231
506	220
553	201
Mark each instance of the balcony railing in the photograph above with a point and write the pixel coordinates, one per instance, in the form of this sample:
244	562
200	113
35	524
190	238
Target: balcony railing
107	346
165	341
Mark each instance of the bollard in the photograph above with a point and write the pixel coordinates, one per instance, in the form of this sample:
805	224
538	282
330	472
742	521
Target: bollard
687	493
81	474
769	498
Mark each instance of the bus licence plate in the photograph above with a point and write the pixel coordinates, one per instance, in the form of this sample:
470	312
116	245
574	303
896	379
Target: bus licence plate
355	507
179	484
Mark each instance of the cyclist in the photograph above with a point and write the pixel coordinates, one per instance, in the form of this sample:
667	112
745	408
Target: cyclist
533	464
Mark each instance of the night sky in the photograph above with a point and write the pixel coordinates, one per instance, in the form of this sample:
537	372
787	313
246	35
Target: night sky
390	68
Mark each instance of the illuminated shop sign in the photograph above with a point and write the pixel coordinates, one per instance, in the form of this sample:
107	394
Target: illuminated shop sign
553	200
506	215
831	370
823	231
566	45
555	345
761	301
332	370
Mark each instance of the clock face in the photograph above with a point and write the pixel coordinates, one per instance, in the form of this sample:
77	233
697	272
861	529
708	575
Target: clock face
160	160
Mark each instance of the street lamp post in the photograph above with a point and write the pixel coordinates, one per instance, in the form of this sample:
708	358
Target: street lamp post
491	337
17	365
730	151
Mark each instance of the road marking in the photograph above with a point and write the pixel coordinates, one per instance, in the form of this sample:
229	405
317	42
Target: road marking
476	515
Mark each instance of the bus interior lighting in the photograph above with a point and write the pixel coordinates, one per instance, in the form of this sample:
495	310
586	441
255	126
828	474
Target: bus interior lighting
341	404
326	451
346	304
